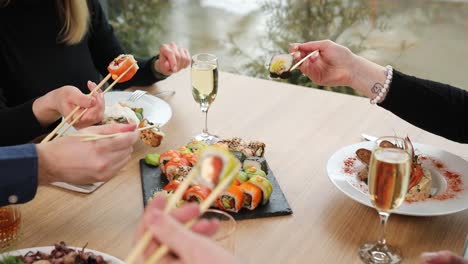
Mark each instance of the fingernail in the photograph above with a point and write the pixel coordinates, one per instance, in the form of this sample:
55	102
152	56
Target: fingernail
174	69
429	255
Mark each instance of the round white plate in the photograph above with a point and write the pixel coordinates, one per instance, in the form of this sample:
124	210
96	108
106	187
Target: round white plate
155	109
49	249
348	182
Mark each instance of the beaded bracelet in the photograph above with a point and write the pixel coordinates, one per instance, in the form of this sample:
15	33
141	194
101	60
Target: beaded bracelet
383	92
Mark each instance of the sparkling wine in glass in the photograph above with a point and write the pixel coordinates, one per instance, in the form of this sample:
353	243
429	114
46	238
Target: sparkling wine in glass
205	88
389	174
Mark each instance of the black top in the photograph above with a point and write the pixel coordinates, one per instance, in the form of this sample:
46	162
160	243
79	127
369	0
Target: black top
33	62
436	107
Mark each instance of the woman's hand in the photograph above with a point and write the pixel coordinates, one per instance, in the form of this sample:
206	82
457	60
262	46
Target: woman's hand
331	67
336	65
187	246
68	159
61	102
172	59
442	257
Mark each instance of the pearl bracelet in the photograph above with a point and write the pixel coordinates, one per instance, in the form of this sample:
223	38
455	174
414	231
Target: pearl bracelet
383	92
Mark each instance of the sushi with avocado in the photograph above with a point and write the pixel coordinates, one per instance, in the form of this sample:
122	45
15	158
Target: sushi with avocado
280	65
257	162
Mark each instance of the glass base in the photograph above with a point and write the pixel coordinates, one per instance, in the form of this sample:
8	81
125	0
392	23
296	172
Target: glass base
377	253
207	138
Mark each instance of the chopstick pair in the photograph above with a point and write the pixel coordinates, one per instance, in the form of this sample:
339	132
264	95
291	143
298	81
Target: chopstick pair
66	119
94	137
164	249
303	59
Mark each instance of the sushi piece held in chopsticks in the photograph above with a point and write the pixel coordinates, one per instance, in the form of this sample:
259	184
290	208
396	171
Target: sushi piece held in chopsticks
120	64
253	195
214	165
280	65
153	136
232	199
196	193
264	185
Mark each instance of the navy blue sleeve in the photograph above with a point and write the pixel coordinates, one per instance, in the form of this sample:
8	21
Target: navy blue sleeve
18	174
105	47
435	107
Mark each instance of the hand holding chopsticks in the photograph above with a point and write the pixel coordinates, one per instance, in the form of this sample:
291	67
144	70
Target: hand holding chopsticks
116	70
227	174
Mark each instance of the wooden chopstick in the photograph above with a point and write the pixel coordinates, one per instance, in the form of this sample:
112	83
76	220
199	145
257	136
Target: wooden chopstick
147	236
223	185
302	60
105	91
93	137
64	121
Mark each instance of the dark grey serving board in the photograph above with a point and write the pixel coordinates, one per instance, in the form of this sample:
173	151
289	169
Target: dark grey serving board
152	181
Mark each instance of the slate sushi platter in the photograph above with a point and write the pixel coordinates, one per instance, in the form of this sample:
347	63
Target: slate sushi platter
152	180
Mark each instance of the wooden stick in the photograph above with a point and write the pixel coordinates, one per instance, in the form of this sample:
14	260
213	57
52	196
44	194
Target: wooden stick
147	236
105	91
64	121
221	187
92	137
302	60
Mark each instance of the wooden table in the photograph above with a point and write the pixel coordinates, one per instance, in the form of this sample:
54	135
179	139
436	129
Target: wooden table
302	128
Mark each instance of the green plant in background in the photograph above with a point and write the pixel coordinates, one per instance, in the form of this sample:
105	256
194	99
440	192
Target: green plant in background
138	24
300	21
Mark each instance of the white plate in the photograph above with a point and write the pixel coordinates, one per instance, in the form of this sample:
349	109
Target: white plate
154	109
348	182
49	249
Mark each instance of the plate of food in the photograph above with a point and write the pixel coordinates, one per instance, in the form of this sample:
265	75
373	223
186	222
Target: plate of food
438	182
255	192
60	253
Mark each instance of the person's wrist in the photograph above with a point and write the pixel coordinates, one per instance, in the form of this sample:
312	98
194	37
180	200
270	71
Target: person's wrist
45	110
156	71
45	172
365	75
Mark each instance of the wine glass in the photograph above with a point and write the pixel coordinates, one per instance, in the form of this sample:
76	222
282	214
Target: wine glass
389	173
205	88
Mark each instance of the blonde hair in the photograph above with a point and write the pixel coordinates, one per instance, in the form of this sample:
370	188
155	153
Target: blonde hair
75	18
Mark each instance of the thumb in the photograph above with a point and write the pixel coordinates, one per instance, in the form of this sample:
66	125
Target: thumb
110	129
82	100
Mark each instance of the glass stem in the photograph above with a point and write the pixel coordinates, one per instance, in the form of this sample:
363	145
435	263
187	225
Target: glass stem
205	130
383	222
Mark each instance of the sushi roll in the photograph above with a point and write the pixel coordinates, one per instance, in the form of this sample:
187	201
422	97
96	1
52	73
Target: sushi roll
253	171
177	168
120	64
257	162
279	66
196	193
166	157
171	186
191	157
214	165
253	195
257	148
232	199
196	146
264	185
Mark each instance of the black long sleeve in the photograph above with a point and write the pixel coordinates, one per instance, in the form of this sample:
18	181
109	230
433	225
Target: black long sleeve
33	61
436	107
